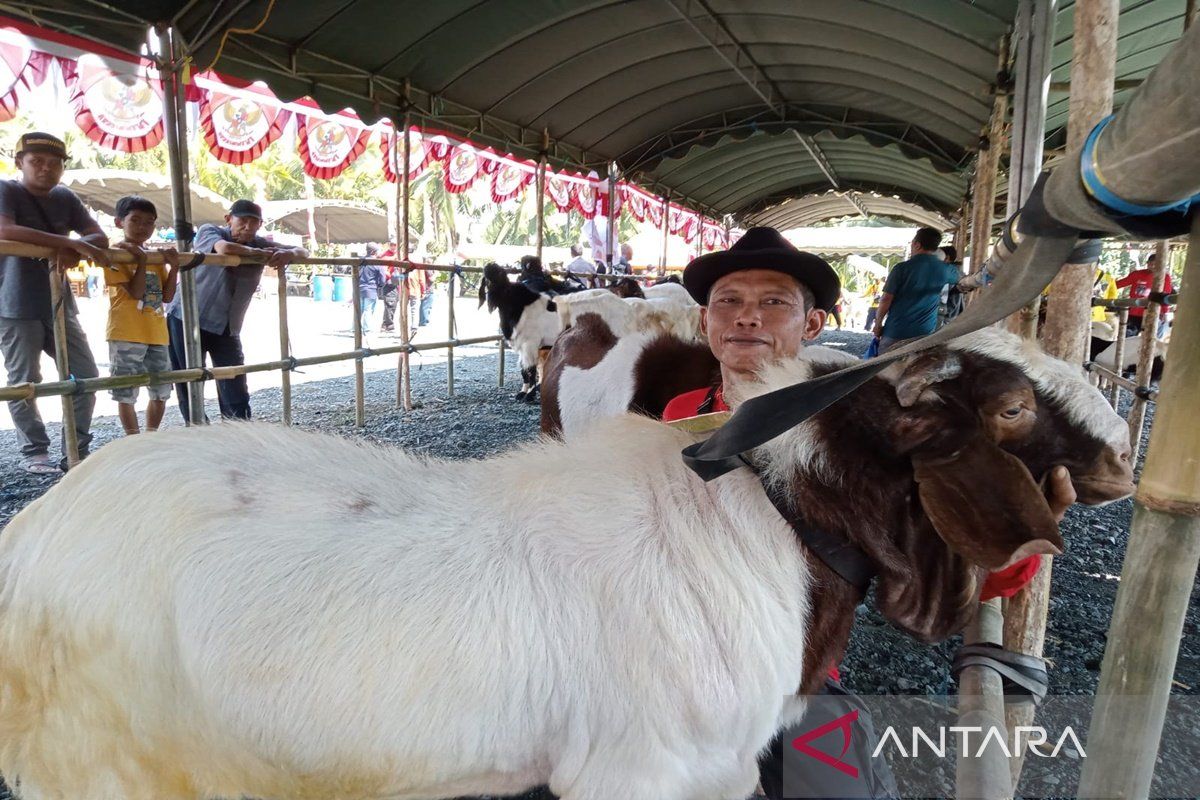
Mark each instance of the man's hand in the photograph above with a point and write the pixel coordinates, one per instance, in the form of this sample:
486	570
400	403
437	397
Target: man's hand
86	250
170	257
1060	492
65	260
877	331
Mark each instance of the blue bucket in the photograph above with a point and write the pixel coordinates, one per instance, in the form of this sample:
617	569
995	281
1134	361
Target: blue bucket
343	289
322	288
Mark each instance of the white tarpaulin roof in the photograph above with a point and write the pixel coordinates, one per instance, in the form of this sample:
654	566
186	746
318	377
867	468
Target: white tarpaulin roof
337	221
102	188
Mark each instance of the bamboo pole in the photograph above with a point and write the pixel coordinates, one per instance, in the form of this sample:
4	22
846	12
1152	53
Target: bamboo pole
981	705
611	245
70	433
1156	579
1114	397
1068	309
1147	345
285	348
403	376
360	409
500	366
987	164
451	333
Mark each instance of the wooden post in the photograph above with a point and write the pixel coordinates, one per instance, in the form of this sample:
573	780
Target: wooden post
70	434
1069	307
611	245
987	163
403	376
450	325
1115	392
1156	579
500	366
1147	345
285	347
360	411
981	705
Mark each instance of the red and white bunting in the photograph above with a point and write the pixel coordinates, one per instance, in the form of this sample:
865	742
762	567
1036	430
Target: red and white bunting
418	154
654	213
713	235
118	111
586	198
558	191
237	128
20	68
327	147
509	181
438	148
638	203
461	168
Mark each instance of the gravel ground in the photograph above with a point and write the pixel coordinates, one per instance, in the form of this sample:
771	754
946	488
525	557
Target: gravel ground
481	420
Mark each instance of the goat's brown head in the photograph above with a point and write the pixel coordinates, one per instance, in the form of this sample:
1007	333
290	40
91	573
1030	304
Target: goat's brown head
936	469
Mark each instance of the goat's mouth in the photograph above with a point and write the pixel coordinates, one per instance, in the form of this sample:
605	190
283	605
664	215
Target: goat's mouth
1098	491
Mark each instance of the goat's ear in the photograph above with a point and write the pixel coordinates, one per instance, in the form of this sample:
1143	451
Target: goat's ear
482	292
985	505
924	371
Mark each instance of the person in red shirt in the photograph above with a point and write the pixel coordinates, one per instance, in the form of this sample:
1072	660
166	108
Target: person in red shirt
1140	283
761	301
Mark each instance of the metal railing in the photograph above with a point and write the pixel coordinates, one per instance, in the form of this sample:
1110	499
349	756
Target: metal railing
67	385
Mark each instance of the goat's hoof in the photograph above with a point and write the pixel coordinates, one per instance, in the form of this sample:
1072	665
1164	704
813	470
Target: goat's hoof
522	395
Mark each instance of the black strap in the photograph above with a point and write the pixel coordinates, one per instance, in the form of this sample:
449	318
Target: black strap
843	557
1025	676
710	401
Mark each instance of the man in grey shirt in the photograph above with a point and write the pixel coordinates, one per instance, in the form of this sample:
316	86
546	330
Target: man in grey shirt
223	296
36	210
580	267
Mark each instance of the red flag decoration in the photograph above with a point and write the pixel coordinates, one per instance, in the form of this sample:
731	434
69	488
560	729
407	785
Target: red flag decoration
559	191
238	128
654	212
418	154
684	223
462	168
118	111
437	148
20	68
328	146
639	203
586	195
509	180
713	235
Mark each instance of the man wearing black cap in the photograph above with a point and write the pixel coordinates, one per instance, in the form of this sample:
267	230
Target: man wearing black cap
761	301
223	296
36	210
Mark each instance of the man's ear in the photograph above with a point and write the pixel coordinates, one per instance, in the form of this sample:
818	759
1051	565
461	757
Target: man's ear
704	321
814	323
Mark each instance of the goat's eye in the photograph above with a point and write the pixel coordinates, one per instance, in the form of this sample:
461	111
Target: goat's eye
1011	413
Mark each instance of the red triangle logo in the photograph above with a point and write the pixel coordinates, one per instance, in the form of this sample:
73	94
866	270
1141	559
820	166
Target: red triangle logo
843	724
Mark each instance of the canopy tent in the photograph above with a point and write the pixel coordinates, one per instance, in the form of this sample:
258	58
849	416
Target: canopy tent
102	188
840	91
801	212
847	241
864	264
336	221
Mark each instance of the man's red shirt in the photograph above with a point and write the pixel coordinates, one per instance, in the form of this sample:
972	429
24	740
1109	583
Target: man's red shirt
1004	583
1140	283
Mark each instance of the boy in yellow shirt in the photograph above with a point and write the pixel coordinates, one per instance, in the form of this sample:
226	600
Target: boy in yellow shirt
137	325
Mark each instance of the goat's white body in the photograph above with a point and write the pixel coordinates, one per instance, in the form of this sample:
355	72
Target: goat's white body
537	327
246	610
1107	357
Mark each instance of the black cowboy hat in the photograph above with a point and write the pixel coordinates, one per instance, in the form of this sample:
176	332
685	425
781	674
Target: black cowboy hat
763	248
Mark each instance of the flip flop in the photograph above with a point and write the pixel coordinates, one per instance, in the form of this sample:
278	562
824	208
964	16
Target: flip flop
41	468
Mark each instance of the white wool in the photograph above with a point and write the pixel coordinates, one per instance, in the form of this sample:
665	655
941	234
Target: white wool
626	316
1108	356
1067	383
537	327
669	291
246	610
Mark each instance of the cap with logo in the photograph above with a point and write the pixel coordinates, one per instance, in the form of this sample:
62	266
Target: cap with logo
37	142
245	208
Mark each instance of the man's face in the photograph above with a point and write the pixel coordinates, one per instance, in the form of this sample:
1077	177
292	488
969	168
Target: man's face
242	229
138	226
626	252
40	172
757	316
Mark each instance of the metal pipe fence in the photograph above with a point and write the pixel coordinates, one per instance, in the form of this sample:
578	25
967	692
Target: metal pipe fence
68	385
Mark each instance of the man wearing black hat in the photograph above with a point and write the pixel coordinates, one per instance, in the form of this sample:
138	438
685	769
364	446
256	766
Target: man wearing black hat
223	296
35	209
761	301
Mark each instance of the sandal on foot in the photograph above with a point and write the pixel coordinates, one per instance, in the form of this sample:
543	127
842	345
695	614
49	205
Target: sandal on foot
41	467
